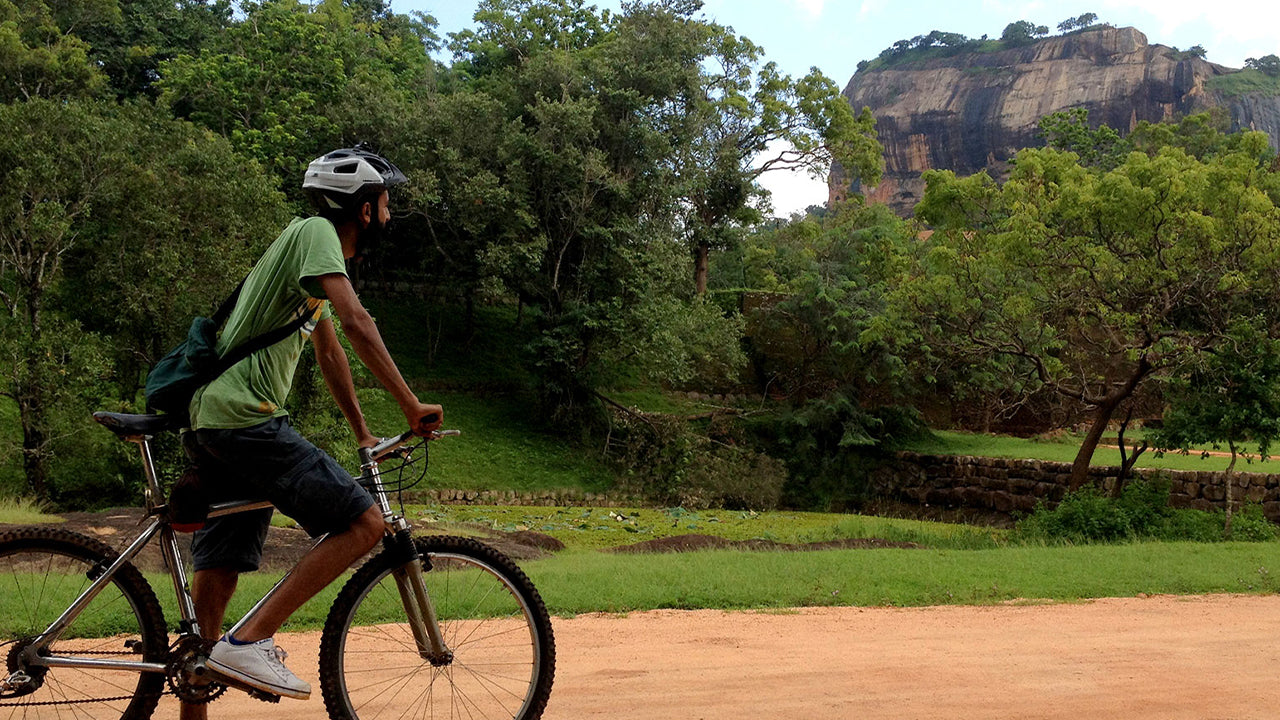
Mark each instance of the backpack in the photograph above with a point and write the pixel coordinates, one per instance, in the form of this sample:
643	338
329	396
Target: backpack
196	363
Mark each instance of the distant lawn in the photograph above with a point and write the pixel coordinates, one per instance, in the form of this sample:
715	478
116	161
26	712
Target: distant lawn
586	528
502	447
1064	450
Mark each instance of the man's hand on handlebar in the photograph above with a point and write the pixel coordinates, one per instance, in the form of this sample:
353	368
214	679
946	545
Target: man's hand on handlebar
367	439
424	418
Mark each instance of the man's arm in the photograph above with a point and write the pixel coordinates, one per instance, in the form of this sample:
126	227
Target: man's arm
337	375
367	342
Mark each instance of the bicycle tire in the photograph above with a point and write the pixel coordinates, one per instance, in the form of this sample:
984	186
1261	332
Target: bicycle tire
484	603
42	571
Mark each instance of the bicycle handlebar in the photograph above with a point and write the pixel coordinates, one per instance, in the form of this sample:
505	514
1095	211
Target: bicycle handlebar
386	446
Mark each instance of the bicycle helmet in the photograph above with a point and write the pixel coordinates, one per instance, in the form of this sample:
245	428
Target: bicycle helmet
341	176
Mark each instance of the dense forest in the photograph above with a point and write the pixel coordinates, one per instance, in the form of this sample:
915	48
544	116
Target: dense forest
592	176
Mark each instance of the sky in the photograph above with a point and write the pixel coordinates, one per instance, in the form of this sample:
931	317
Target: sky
834	35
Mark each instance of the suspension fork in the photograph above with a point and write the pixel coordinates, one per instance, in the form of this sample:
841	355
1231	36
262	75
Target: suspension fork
417	603
423	621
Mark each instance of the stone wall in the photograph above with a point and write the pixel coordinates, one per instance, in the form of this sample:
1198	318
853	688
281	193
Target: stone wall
1007	486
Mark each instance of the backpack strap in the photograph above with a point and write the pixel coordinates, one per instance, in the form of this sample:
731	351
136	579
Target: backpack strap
224	310
256	343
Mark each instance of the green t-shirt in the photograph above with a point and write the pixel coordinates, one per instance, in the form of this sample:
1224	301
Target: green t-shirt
282	287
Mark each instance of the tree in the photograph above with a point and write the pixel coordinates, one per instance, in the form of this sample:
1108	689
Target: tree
40	55
1017	34
826	328
85	188
1089	282
130	46
1068	130
1230	395
588	119
1269	64
290	81
1079	22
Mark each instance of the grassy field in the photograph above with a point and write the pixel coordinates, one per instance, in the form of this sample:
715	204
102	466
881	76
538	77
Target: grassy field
1064	448
582	581
956	564
599	528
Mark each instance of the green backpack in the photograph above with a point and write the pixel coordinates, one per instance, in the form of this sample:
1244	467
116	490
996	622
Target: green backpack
196	363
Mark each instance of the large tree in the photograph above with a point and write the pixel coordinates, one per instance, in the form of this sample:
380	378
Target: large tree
1088	282
290	81
114	221
571	197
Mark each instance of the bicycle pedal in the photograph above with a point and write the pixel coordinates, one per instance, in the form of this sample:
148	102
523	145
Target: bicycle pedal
264	696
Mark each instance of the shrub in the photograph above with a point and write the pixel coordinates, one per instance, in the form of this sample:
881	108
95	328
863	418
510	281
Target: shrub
668	461
1083	516
1142	512
831	444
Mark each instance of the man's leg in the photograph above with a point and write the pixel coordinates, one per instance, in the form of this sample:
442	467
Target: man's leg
211	590
319	567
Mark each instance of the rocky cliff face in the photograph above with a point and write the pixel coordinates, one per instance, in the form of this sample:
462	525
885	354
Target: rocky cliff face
975	111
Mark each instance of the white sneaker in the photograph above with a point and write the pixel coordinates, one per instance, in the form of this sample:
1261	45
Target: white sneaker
260	665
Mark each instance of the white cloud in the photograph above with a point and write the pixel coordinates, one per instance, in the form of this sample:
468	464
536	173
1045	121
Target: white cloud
812	8
871	7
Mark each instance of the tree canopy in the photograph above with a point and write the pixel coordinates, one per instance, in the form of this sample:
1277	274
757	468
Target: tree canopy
1087	280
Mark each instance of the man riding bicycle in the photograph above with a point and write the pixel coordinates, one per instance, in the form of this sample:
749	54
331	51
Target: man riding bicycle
240	433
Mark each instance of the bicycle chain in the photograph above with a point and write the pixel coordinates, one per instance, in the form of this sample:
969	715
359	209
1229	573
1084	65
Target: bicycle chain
171	691
67	702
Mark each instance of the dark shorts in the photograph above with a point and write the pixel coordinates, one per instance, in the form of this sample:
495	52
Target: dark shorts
270	462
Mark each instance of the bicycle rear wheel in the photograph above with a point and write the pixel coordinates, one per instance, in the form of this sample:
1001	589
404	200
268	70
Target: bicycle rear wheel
42	571
492	620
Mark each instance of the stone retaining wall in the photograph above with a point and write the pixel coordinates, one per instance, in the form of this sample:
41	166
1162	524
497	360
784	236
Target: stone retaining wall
1008	486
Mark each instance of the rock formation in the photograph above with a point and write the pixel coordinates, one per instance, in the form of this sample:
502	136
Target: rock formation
974	111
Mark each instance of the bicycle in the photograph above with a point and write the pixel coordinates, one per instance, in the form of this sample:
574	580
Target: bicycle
457	628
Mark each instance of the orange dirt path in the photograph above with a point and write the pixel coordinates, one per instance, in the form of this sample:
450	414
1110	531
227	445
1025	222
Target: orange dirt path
1166	658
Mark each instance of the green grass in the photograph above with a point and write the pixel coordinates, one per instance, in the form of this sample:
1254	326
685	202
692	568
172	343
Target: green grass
500	447
1064	450
958	565
581	528
583	581
1245	82
24	511
589	582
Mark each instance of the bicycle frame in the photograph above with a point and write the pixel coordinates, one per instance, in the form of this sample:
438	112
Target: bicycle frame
409	580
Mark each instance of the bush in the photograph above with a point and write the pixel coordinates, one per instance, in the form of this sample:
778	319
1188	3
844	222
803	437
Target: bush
668	461
830	446
1083	516
1142	512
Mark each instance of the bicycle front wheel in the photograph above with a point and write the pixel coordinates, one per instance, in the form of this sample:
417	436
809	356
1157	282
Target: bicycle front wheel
42	572
492	620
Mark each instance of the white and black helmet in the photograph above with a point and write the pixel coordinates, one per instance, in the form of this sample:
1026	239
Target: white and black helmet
342	176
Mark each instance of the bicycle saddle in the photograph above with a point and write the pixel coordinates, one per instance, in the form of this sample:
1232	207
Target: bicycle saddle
127	426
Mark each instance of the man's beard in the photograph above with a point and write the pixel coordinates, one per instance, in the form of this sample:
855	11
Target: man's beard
369	238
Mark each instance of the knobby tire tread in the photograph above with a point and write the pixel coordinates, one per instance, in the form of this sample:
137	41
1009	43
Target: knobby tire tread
336	622
131	584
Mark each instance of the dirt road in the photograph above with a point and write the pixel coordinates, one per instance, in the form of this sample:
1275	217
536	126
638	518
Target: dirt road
1165	658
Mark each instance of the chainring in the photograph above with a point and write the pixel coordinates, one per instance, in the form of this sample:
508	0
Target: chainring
184	654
